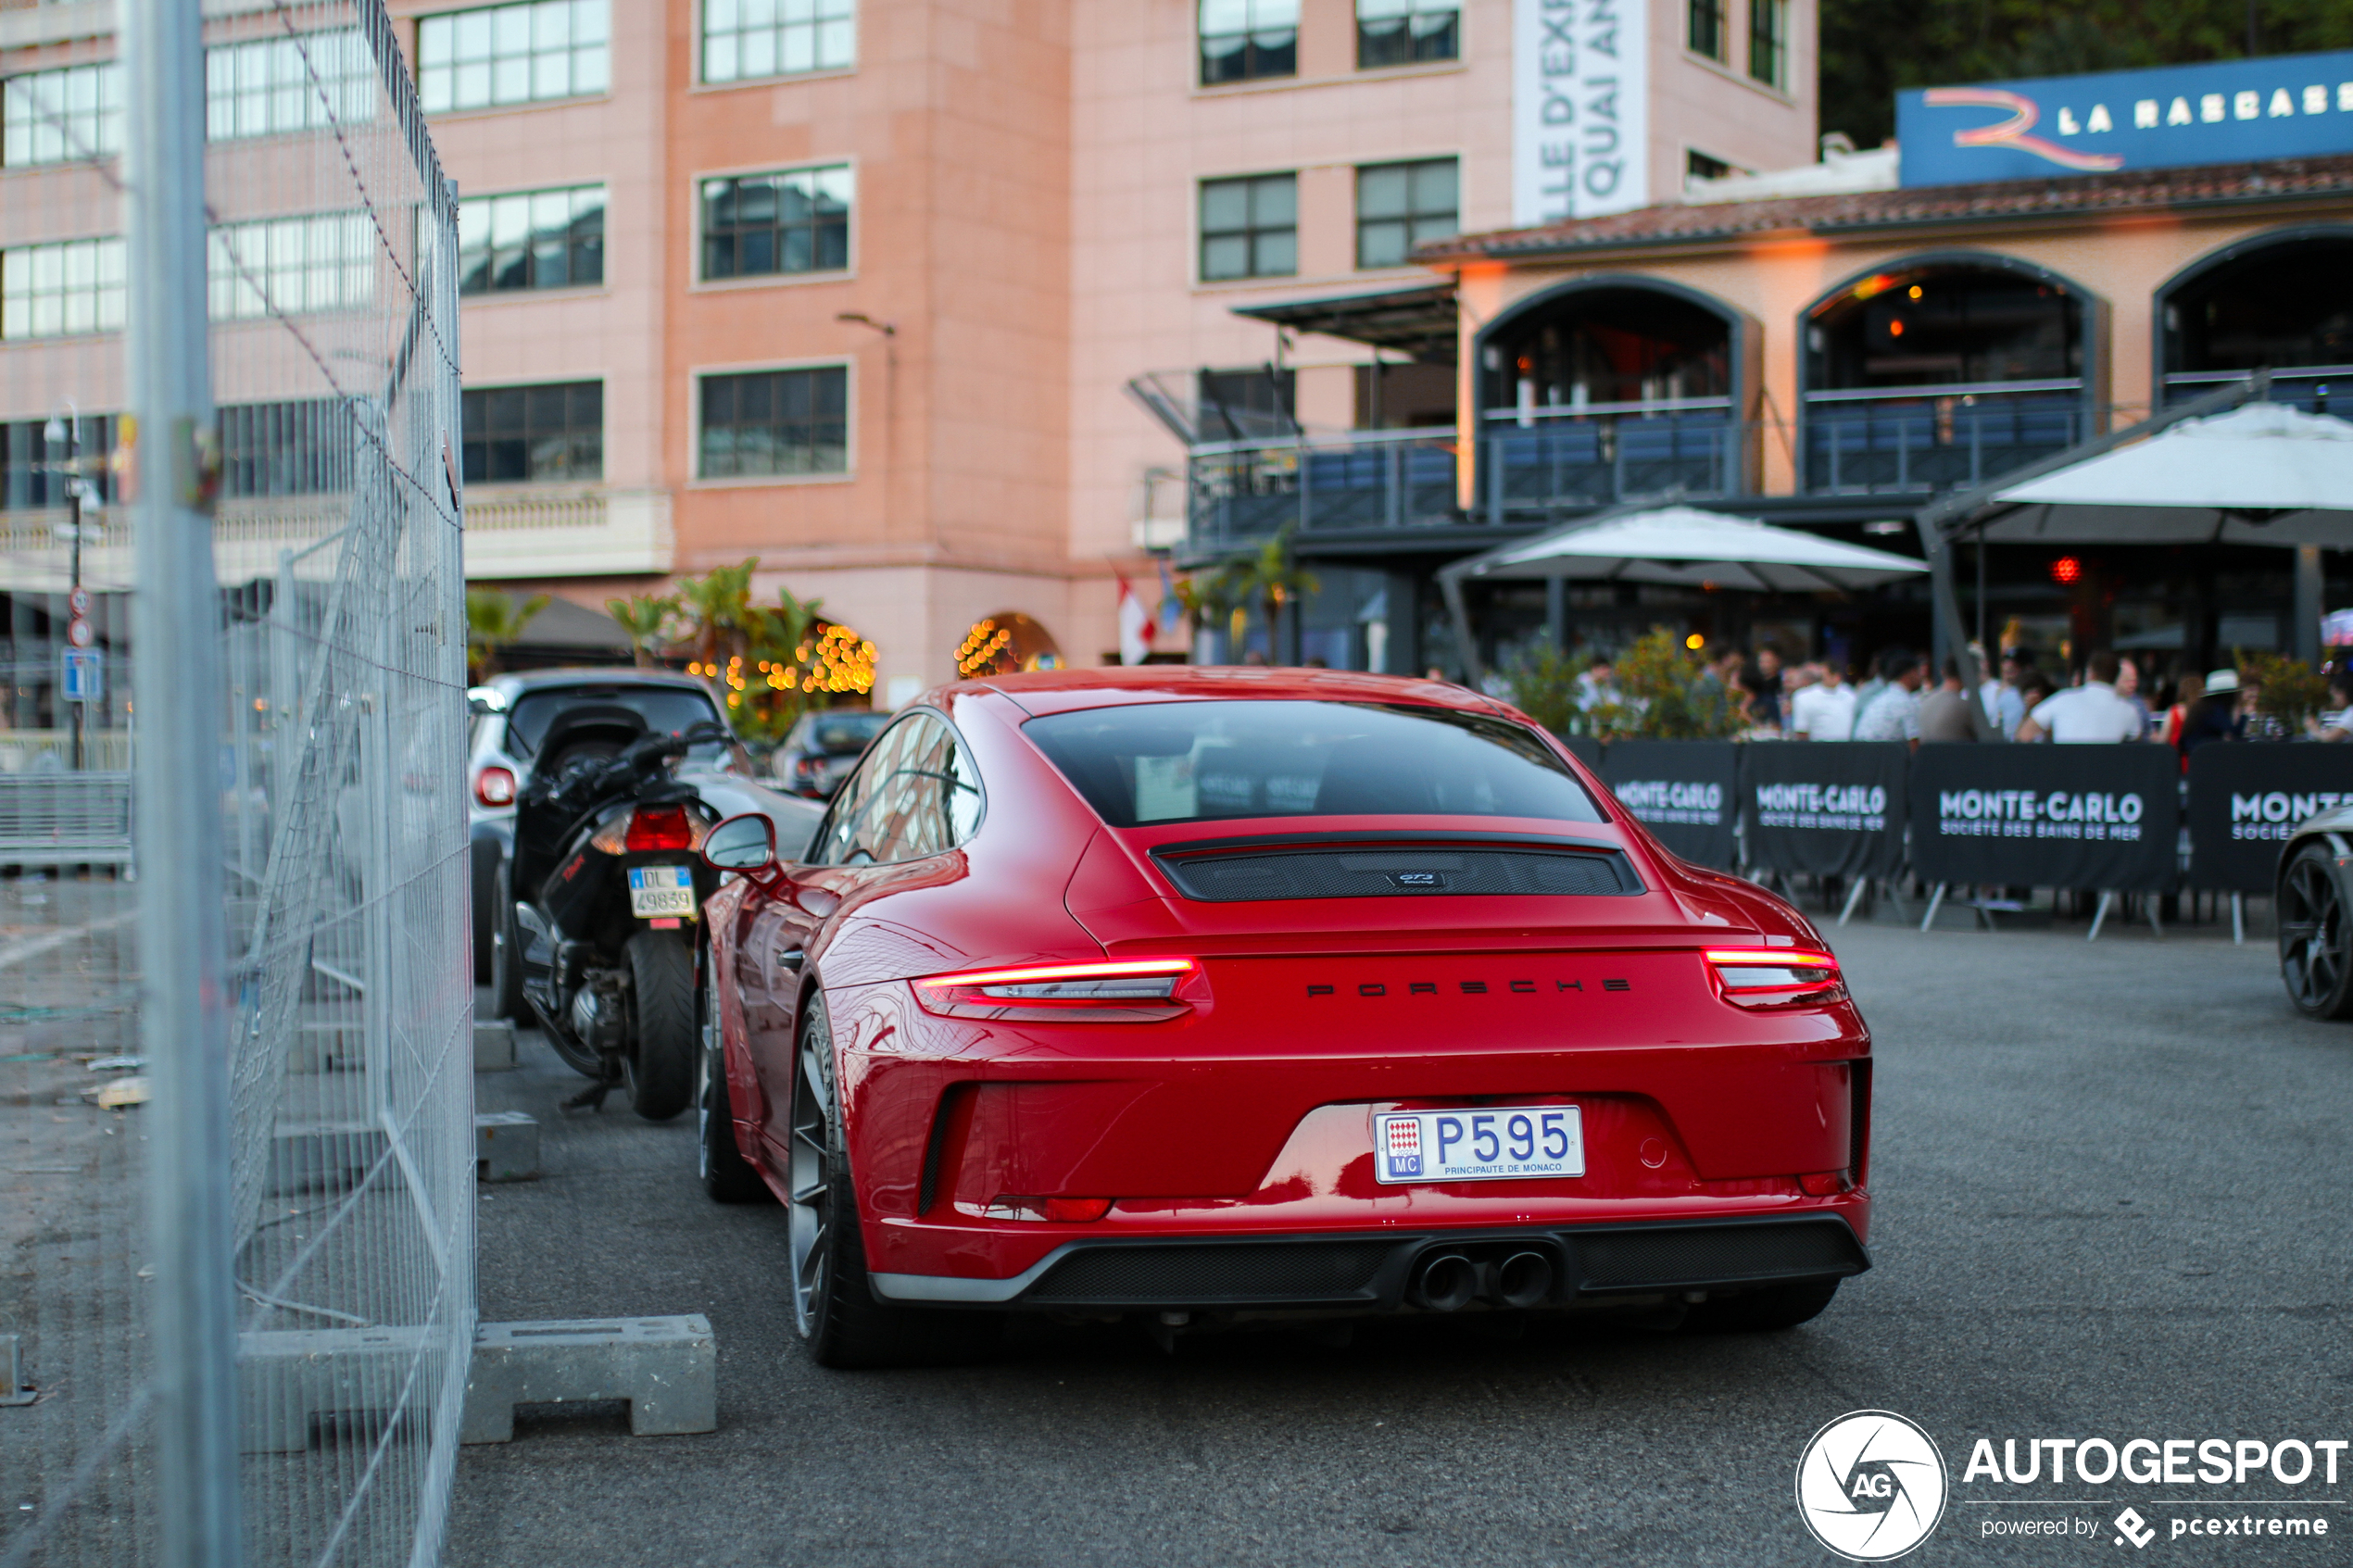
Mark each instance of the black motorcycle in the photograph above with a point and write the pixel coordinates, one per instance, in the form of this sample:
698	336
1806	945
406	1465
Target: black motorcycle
602	898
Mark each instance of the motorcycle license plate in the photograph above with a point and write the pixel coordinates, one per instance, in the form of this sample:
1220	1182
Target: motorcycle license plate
655	891
1502	1143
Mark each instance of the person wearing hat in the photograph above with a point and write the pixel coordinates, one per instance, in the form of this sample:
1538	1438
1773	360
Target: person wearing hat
2213	716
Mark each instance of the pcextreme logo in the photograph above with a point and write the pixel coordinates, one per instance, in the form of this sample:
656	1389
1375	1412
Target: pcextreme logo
1872	1485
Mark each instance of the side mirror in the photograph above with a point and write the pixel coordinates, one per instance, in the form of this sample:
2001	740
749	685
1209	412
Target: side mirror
741	843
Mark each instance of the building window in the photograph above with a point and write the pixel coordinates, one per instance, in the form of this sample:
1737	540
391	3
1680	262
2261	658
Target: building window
63	290
532	240
760	225
744	40
535	434
511	54
1406	32
275	86
292	265
776	423
34	469
1768	42
1250	228
1697	164
304	448
1708	35
1400	206
73	115
1246	40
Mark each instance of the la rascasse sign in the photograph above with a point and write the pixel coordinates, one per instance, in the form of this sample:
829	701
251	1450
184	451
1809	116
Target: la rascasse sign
2286	105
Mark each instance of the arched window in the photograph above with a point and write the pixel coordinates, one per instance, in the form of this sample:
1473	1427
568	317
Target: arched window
1607	388
1942	373
2276	302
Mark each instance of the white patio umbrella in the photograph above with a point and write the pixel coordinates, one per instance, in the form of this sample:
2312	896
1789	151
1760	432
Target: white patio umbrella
2263	473
1690	547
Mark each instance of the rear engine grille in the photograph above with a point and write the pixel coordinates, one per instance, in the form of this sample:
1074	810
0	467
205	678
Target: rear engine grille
1709	1254
1394	873
1233	1272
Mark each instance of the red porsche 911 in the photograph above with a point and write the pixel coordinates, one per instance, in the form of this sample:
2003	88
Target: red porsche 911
1200	996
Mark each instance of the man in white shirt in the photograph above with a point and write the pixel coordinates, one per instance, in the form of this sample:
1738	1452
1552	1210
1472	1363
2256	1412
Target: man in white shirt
1895	714
1824	711
2092	712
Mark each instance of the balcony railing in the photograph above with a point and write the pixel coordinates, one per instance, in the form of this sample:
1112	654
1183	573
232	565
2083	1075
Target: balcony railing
1539	463
1935	438
2316	389
1246	490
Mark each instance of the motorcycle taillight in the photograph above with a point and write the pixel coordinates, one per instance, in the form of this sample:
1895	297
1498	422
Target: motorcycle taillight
660	827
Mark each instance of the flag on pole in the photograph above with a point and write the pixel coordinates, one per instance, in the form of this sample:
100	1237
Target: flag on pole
1136	626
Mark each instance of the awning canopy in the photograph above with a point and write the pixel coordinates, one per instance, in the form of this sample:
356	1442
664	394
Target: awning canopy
1692	548
2262	473
1418	322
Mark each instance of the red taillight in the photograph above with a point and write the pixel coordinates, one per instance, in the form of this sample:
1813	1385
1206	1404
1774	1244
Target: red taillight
1764	977
1129	991
659	827
494	787
1056	1210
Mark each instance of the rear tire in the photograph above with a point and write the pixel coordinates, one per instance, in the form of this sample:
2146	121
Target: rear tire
833	1305
727	1176
2316	935
1761	1311
661	977
506	958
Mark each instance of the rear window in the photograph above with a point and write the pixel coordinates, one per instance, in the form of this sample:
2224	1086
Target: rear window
665	709
844	734
1202	761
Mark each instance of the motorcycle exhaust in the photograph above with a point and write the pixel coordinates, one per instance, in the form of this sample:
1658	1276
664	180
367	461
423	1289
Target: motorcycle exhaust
1445	1283
1524	1279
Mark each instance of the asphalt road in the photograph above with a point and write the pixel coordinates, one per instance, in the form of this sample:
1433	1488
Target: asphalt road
2111	1187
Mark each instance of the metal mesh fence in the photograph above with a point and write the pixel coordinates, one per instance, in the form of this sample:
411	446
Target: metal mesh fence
328	276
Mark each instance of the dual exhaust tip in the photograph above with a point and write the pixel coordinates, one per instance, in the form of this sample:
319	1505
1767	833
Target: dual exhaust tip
1447	1282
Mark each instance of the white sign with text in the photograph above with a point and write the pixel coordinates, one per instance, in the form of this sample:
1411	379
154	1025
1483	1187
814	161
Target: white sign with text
1581	109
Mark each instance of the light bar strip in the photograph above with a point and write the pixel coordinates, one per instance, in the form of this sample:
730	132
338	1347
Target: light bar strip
1033	973
1774	957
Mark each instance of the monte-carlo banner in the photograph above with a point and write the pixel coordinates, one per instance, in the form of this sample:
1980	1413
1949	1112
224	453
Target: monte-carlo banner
2285	105
1581	109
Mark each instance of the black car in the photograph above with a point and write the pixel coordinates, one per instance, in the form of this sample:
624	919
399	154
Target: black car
820	750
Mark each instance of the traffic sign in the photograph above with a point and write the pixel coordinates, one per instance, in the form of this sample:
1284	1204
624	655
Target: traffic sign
78	633
84	677
79	601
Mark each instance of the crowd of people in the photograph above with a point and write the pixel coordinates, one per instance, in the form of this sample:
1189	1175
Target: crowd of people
2104	699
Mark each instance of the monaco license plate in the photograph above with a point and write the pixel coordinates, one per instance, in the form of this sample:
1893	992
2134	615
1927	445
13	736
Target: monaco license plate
655	891
1507	1142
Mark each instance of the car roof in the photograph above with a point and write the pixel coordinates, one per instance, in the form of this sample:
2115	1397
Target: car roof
1062	691
523	682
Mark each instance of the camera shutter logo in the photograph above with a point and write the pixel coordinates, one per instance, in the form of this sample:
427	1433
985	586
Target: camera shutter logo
1872	1485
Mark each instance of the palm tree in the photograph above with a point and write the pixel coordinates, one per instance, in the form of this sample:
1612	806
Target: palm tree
645	618
494	620
1274	578
717	609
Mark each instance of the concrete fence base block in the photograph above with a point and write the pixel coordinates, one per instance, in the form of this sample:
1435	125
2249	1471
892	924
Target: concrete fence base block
494	1044
291	1384
14	1390
307	1157
666	1368
506	1146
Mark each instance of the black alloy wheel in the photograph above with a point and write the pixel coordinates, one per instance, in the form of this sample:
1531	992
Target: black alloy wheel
834	1306
726	1176
506	960
2316	935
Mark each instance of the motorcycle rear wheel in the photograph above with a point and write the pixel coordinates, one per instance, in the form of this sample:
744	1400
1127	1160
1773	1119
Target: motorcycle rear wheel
662	973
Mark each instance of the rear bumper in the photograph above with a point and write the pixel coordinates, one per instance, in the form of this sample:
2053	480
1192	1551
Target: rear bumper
1372	1273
